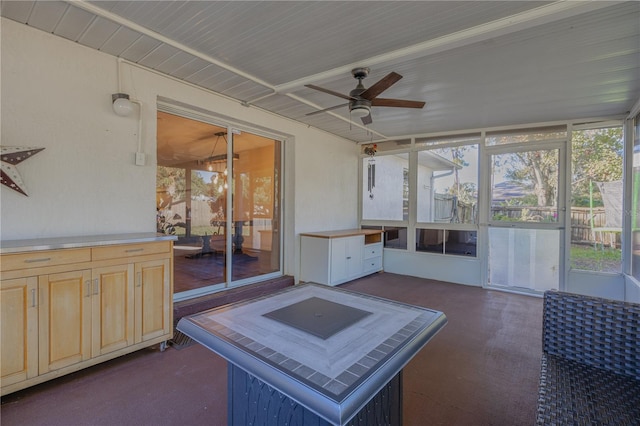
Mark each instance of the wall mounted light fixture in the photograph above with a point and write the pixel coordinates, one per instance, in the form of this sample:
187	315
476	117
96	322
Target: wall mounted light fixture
122	105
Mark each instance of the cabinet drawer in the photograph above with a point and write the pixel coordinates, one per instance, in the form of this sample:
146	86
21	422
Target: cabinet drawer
129	250
372	250
38	259
373	264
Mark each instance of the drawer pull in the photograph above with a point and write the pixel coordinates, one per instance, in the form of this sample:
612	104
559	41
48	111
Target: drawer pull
134	250
42	259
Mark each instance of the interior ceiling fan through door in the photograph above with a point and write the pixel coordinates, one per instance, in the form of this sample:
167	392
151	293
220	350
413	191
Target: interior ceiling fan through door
362	99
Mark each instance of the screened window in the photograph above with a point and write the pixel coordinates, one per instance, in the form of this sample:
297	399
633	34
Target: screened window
447	241
385	193
596	199
447	190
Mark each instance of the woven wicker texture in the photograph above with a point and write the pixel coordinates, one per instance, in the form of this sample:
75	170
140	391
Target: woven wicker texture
598	332
572	393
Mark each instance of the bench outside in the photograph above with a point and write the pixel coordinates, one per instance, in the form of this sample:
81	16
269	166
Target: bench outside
590	373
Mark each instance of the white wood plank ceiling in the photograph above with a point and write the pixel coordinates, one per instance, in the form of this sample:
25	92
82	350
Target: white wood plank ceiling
476	63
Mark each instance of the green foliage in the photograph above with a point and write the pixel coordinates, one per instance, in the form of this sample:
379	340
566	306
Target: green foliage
171	184
596	156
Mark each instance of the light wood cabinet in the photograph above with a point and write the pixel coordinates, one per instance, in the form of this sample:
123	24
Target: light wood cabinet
59	316
19	329
112	309
154	309
64	319
335	257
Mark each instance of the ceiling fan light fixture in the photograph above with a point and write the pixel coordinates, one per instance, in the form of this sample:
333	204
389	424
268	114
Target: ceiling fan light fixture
360	111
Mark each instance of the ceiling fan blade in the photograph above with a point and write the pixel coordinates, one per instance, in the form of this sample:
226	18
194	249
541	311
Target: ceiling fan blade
382	85
327	109
331	92
367	119
400	103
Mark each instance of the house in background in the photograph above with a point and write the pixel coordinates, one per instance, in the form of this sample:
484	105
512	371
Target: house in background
498	77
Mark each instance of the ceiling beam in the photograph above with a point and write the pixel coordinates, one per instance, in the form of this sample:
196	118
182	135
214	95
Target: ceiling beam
84	5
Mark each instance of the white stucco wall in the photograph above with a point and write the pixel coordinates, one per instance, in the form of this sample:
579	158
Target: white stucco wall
56	94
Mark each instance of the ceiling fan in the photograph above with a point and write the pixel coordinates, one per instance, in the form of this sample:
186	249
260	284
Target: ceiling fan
362	99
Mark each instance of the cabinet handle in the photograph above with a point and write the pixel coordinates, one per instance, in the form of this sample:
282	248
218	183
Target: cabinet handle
33	297
134	250
87	283
42	259
96	286
348	257
139	279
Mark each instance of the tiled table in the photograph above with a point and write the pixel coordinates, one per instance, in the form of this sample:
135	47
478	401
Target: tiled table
314	354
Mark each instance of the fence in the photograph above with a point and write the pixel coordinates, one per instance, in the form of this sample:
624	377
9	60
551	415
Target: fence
448	209
580	220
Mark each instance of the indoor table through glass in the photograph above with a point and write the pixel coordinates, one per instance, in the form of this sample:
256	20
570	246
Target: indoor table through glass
315	355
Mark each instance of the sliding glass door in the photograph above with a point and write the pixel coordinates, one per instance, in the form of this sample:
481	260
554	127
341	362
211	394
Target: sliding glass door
218	191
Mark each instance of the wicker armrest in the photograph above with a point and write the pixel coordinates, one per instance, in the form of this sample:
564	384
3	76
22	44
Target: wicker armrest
598	332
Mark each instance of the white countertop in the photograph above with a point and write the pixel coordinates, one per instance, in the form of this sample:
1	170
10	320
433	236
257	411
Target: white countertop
37	244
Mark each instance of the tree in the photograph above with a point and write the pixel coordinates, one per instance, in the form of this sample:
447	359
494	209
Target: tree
537	171
171	185
596	156
465	191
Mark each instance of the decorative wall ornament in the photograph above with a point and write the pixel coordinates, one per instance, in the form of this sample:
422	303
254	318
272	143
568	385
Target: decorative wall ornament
371	149
12	155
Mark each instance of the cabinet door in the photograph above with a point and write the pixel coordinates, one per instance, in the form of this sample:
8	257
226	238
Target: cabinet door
346	258
64	319
354	256
339	260
112	303
18	330
153	299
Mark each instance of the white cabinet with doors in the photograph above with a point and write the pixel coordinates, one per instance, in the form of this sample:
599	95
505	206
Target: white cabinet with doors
64	309
335	257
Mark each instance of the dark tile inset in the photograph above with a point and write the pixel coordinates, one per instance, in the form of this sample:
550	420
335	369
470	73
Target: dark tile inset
319	317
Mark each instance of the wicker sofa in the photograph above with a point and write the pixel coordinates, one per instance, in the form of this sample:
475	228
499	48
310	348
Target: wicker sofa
590	371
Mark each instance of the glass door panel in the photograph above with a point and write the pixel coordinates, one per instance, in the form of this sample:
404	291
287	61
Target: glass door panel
256	211
524	186
524	258
190	204
525	218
